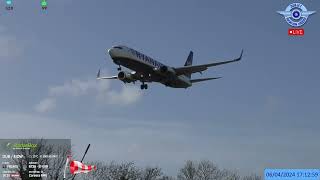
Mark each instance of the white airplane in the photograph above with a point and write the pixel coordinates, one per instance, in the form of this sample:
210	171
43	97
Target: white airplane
147	70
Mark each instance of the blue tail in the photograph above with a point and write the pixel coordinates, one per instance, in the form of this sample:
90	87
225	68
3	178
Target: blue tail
189	63
189	60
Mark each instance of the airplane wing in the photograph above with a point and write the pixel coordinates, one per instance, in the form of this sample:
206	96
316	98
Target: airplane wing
110	77
203	67
204	79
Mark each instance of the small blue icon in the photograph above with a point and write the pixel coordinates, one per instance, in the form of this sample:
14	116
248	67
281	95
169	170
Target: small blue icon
296	14
9	6
9	2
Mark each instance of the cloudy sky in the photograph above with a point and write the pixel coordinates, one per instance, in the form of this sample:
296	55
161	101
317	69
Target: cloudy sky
263	113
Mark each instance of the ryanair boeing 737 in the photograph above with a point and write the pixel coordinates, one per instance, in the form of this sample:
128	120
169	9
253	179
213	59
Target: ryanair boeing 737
147	70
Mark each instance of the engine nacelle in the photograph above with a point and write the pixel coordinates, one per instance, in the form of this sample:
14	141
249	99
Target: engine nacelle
126	77
167	70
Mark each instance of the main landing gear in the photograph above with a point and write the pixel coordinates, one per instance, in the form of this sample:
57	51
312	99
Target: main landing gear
119	68
144	86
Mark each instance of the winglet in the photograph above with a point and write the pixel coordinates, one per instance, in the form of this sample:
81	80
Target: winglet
98	75
240	55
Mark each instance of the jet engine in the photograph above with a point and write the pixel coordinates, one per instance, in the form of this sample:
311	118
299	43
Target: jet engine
126	77
166	70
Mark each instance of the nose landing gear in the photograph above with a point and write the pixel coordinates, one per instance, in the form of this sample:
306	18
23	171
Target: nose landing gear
119	68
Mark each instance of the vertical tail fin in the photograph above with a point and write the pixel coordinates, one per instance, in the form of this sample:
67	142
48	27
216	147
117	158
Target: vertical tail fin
189	60
189	63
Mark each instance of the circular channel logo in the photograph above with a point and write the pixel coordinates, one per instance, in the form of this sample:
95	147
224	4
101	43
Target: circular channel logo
296	14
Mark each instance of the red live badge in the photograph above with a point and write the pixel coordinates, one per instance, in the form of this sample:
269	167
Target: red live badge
296	32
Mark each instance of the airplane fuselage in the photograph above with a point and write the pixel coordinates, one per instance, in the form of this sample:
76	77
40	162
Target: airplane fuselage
146	67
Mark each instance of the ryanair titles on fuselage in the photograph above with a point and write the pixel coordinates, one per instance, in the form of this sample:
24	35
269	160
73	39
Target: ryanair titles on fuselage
145	58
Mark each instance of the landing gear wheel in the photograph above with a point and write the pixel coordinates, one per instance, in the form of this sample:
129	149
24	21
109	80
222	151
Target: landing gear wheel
119	68
144	86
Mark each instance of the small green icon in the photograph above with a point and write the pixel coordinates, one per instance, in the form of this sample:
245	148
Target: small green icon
44	3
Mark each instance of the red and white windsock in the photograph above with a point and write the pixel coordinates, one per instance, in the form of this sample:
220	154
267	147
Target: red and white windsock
78	167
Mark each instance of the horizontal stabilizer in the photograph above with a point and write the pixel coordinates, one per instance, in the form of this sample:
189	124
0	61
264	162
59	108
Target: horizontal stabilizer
204	79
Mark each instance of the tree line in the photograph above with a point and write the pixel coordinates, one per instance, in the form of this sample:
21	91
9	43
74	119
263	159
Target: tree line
191	170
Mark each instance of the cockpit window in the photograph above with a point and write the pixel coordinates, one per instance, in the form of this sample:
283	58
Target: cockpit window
117	47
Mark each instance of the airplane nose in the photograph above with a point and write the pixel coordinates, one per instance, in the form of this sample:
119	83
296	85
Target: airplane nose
111	51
